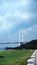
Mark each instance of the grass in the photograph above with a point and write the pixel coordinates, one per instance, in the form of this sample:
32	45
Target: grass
15	57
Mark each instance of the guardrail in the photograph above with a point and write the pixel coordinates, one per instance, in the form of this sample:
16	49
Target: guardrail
32	60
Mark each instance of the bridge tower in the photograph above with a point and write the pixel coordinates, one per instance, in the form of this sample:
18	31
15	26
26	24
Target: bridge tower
20	38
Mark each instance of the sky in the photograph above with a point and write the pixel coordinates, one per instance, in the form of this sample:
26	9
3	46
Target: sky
18	16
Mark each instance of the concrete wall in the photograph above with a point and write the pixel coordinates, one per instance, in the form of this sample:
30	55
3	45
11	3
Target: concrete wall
32	61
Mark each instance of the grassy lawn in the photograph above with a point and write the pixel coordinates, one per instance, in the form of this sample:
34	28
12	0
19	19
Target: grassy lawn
15	57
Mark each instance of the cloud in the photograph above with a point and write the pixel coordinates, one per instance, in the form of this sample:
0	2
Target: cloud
28	30
15	12
13	15
19	17
28	34
25	31
11	9
4	24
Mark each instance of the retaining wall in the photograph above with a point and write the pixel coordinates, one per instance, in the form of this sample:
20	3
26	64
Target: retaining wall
32	60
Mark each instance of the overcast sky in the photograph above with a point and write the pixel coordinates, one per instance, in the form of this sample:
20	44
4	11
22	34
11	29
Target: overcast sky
18	16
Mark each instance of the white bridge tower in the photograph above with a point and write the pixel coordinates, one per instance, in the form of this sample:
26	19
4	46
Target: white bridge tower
20	38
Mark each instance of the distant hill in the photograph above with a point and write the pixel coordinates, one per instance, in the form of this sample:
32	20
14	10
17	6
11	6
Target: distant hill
29	45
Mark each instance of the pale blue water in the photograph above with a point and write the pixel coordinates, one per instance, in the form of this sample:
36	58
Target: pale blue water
3	46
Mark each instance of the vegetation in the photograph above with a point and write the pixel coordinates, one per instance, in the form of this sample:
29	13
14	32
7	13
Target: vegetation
29	45
15	57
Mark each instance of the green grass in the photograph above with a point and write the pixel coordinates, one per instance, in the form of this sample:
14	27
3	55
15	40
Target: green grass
15	57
